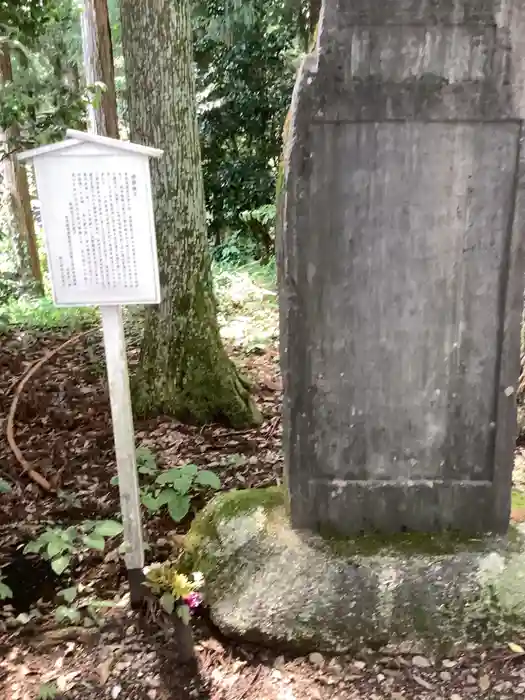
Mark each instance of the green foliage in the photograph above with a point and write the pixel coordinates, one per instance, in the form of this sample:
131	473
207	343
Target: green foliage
40	313
5	591
75	609
48	691
244	90
5	487
173	489
60	545
44	96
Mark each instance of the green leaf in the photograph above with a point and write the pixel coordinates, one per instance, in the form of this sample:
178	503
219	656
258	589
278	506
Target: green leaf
145	457
183	611
5	591
178	506
164	497
114	481
5	487
60	564
170	476
94	541
150	502
147	471
168	602
207	478
69	594
63	612
56	547
34	547
108	528
189	470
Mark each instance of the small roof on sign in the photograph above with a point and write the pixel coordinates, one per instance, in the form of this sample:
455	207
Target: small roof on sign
75	138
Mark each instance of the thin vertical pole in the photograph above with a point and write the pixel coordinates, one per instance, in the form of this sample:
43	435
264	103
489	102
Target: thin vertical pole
121	415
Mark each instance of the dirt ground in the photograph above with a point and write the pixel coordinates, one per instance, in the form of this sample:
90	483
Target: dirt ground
63	429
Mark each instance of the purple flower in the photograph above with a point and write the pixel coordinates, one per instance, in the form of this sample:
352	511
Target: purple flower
193	600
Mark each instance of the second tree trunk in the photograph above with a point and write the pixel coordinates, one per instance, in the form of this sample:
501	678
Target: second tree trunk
184	370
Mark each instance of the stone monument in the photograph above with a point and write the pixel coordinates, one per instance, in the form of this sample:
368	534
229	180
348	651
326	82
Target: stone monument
401	275
401	271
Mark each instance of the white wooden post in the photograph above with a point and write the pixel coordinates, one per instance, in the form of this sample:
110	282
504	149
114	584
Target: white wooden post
124	437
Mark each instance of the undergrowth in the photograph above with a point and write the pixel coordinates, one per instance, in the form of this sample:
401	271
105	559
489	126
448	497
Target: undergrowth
246	298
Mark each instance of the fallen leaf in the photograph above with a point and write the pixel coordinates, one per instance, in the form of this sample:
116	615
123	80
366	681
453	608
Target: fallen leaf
516	648
484	683
104	669
422	682
421	662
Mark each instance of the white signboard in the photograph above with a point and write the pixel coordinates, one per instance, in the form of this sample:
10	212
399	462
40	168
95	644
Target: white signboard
97	213
98	223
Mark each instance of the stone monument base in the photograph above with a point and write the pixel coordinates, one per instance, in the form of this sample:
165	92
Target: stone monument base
269	584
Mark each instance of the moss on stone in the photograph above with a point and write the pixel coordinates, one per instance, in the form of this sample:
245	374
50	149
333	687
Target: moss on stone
224	507
407	543
233	504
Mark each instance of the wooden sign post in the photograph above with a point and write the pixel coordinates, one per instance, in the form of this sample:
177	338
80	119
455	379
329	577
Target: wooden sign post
97	214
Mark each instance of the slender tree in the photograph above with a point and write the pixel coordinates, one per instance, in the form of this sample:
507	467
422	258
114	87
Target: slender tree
98	64
184	369
24	238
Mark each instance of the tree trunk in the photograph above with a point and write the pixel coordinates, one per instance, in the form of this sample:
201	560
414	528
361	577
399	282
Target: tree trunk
98	63
15	178
184	370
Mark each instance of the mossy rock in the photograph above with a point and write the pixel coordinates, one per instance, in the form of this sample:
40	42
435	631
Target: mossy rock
267	583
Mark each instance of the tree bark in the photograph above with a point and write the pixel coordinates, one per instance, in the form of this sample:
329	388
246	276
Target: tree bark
16	183
98	64
184	370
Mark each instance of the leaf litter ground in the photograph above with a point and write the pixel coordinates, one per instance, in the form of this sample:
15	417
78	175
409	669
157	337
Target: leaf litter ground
63	428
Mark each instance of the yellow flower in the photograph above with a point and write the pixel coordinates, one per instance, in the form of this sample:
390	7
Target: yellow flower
181	586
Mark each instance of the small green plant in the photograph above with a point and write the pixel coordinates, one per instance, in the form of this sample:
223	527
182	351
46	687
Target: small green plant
48	691
175	488
76	609
172	489
5	591
176	592
59	545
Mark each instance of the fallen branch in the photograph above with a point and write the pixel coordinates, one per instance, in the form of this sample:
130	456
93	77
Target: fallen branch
26	467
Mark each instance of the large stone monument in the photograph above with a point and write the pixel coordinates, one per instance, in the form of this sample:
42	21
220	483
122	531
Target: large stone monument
401	279
401	266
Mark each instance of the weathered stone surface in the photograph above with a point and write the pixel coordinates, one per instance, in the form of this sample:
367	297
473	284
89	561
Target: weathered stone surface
401	267
268	583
